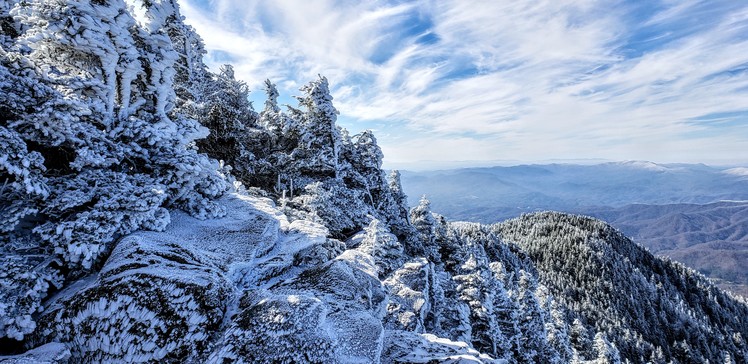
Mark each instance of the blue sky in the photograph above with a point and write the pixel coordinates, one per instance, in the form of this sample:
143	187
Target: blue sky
482	82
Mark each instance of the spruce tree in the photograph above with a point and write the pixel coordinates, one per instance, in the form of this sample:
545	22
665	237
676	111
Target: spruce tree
95	148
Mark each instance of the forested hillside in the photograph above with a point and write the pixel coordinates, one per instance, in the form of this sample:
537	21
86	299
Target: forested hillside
151	214
692	213
711	238
651	308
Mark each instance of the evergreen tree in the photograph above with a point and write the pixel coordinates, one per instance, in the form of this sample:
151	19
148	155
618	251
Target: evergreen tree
89	94
271	116
229	116
383	247
555	326
533	342
423	221
340	209
606	352
191	74
477	289
367	162
506	311
580	337
317	153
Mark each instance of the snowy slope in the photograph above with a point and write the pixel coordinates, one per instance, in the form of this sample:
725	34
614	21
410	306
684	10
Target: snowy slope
250	286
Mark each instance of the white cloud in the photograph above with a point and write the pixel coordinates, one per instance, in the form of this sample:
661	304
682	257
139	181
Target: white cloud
527	80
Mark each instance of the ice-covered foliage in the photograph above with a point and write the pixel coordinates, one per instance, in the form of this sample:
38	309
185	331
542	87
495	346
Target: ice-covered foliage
226	111
629	303
304	159
341	209
394	208
319	142
425	224
52	353
152	301
22	287
377	241
91	145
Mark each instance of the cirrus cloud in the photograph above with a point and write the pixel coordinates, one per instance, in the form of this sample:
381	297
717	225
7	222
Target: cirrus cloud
506	80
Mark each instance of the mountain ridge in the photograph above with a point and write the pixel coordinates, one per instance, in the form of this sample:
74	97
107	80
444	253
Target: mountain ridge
653	206
152	215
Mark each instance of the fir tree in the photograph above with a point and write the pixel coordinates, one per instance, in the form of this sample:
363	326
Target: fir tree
89	94
317	154
423	221
229	116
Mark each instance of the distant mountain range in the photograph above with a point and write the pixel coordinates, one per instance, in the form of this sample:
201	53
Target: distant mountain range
693	213
712	238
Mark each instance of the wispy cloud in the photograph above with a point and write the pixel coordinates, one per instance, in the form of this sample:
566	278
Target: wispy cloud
522	80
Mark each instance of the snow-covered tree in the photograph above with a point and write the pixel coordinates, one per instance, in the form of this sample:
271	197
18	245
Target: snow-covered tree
606	352
396	190
382	246
556	326
95	148
271	117
477	288
425	243
318	149
534	344
190	71
229	115
505	310
339	208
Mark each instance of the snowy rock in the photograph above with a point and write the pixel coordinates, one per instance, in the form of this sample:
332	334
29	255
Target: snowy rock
274	328
52	353
153	301
410	296
329	313
161	295
410	347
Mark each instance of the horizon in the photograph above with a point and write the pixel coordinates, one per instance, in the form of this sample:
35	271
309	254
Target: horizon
435	165
449	82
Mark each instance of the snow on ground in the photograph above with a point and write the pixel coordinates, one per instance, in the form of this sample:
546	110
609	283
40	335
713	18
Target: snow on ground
410	347
247	287
51	353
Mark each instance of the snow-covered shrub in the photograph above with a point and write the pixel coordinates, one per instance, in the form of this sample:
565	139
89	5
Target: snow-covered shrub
339	208
152	302
120	203
21	289
92	146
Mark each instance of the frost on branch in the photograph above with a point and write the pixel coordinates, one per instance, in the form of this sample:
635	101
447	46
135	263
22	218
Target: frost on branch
153	301
92	145
22	286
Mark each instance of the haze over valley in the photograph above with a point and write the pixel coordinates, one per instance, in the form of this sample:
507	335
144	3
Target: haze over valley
693	213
